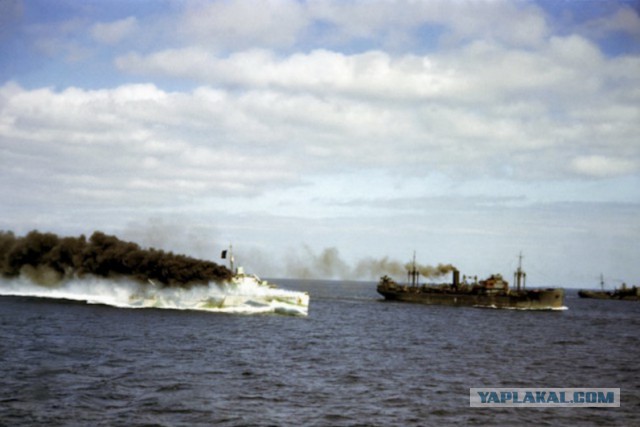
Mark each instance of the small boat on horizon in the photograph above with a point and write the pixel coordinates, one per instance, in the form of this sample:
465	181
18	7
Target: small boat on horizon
623	293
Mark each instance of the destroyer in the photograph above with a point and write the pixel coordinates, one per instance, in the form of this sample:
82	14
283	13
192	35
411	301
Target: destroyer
493	292
249	290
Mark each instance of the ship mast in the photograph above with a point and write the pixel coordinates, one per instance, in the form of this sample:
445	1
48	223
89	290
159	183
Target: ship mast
413	272
229	255
520	276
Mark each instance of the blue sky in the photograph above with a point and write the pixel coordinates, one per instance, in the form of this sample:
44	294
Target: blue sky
342	131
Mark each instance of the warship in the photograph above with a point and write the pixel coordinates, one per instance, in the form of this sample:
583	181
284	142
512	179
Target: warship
493	292
623	293
249	290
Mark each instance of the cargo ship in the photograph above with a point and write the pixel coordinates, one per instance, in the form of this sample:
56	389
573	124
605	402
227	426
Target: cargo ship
493	292
623	293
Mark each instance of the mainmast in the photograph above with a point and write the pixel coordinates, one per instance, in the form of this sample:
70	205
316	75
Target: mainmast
520	277
228	254
413	272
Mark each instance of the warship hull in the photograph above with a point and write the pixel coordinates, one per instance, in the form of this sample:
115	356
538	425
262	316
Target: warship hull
537	299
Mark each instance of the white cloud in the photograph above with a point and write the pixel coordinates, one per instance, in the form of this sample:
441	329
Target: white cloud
601	166
623	19
479	72
484	109
399	26
242	23
511	23
519	112
114	32
124	146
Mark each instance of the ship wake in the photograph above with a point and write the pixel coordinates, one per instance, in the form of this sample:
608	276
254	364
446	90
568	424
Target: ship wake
561	308
238	297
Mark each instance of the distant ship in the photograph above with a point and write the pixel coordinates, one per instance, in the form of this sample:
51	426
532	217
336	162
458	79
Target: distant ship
492	292
623	293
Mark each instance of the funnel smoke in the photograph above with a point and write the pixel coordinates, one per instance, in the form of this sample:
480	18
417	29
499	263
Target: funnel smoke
328	264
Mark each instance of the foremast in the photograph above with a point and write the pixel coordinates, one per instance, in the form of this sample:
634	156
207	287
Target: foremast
228	254
413	272
520	277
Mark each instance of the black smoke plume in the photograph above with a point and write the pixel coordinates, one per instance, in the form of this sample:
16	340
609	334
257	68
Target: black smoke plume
329	264
48	258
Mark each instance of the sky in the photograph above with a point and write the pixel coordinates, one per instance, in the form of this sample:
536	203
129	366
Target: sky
315	135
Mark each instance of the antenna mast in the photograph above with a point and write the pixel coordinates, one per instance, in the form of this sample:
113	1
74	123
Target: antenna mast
520	277
228	254
413	272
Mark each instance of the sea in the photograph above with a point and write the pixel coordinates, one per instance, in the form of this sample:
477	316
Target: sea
354	360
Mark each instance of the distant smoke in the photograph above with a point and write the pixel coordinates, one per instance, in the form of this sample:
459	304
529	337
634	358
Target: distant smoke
47	259
328	264
371	268
312	266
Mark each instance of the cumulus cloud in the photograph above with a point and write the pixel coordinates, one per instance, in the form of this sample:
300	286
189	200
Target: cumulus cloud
261	121
499	111
373	73
512	98
483	104
478	71
123	146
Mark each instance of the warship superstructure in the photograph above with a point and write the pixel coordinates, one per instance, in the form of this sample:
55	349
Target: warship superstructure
249	290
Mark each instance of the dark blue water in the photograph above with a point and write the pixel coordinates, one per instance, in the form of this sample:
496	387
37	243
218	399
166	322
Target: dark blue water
354	361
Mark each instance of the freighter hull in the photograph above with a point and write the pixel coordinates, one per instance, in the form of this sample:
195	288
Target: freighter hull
626	295
492	292
543	299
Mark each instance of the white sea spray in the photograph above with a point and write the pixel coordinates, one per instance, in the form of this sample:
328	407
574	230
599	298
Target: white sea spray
245	296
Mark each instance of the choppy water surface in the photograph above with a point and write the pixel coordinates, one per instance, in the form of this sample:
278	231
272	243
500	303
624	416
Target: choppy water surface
354	361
